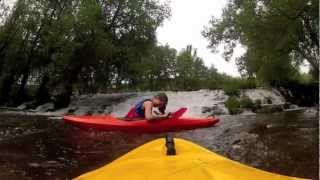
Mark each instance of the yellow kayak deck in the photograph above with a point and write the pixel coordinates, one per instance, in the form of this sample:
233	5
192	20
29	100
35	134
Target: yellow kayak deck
192	162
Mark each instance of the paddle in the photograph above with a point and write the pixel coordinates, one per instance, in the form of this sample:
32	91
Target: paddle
178	113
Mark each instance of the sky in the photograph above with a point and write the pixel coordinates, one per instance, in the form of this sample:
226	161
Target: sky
188	18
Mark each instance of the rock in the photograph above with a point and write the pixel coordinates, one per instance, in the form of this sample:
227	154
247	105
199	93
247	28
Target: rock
206	109
100	111
35	165
62	159
45	107
107	111
218	111
293	106
269	126
55	117
89	113
71	110
295	109
236	147
49	173
266	96
51	164
214	110
270	108
30	105
220	97
267	100
22	107
247	112
236	141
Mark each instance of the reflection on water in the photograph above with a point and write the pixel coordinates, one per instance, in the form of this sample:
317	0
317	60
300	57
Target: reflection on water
38	148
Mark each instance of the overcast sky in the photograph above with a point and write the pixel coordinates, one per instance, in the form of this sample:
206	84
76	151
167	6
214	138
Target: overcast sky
185	25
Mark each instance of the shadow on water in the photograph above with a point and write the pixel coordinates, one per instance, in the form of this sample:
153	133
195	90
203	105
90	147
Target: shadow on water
33	147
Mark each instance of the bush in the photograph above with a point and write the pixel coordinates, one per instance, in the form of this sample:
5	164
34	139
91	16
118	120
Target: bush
233	105
247	83
232	86
231	89
256	105
236	106
246	102
304	78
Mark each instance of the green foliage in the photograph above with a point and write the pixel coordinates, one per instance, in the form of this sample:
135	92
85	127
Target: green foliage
277	36
305	78
231	89
85	45
157	69
231	86
191	73
50	49
246	102
214	80
236	105
233	105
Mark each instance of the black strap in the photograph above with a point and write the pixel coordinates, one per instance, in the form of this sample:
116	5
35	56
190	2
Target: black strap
171	150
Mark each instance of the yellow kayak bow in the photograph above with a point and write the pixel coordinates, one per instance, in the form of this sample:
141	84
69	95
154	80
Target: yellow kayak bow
191	162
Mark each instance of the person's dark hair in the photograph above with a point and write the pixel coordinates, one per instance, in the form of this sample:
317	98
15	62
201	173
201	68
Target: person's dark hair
164	98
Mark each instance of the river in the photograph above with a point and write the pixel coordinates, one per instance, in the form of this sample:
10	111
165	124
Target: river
36	147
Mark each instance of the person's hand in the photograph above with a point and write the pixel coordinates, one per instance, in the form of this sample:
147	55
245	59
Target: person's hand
156	112
169	115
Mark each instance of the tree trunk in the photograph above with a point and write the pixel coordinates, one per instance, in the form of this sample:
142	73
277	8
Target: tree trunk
5	88
42	94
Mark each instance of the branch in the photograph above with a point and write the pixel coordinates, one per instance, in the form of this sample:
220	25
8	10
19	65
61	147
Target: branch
291	17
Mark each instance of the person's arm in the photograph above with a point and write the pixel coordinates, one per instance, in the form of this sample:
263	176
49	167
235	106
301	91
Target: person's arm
148	112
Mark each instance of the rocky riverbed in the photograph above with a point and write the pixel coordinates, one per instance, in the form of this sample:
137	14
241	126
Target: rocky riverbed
199	103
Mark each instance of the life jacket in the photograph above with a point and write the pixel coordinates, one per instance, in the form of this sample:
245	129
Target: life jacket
137	111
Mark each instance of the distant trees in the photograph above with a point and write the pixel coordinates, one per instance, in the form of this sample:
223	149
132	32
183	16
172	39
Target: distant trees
165	69
158	69
191	71
50	49
278	37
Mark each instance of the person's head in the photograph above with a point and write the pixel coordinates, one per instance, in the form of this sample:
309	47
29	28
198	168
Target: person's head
160	100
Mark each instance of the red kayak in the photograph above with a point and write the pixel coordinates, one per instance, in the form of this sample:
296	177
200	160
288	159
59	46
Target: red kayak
108	123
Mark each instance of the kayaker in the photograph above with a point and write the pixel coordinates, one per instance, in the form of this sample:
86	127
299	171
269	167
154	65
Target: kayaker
144	108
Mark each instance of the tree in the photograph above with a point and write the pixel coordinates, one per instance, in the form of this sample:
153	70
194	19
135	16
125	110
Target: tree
82	44
158	69
190	69
278	36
